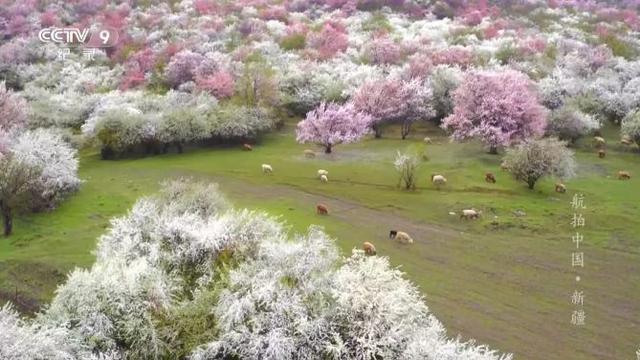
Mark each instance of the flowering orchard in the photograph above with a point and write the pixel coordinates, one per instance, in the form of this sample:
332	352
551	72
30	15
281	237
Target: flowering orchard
183	275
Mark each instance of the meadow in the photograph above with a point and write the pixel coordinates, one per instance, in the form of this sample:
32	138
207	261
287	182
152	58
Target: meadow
504	280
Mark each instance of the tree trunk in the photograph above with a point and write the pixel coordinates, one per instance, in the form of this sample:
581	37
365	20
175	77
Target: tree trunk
179	146
7	219
377	130
493	150
405	129
327	149
531	183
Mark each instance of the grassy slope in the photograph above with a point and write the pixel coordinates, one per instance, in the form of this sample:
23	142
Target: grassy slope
507	284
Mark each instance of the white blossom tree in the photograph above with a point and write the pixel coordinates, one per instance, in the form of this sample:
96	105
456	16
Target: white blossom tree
535	159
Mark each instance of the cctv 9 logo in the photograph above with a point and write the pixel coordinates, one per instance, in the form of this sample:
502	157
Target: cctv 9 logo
101	38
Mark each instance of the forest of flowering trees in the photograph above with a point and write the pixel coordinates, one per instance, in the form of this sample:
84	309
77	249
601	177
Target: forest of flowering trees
183	274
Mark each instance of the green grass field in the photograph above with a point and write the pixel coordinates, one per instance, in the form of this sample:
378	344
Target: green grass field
504	280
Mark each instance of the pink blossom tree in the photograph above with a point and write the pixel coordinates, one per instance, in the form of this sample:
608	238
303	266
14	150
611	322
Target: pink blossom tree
219	84
331	40
182	67
389	100
383	50
13	114
500	108
332	124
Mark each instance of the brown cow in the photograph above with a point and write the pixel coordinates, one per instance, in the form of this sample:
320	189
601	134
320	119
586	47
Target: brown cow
247	147
560	188
602	153
624	175
490	178
322	209
368	248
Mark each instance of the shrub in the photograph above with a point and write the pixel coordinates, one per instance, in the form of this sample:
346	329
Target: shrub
535	159
631	126
406	165
293	42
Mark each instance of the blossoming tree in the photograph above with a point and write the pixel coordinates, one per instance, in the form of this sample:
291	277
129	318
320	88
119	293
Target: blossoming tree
499	108
332	124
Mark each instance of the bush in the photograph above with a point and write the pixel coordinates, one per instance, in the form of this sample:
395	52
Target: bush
406	165
293	42
535	159
631	126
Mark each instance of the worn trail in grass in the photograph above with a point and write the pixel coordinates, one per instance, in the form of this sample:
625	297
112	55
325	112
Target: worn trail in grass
506	281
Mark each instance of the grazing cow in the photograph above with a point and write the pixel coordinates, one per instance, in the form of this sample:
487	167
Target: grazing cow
393	233
403	238
504	166
427	140
469	214
368	248
309	153
322	172
490	178
322	209
599	141
247	147
624	175
267	169
324	178
560	188
626	141
602	153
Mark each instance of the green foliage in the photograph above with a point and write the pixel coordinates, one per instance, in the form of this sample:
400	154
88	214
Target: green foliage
377	21
619	47
508	53
293	42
